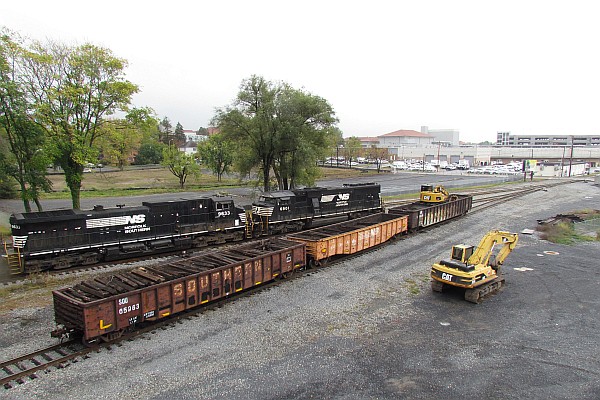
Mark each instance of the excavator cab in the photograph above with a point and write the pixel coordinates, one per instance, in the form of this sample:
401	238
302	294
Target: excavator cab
461	252
429	194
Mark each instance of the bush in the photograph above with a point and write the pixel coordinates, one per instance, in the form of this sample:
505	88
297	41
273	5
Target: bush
8	187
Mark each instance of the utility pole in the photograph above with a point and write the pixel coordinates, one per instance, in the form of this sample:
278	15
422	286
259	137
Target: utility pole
562	162
571	158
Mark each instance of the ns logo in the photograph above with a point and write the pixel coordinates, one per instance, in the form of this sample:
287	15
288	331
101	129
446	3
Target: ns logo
344	196
135	219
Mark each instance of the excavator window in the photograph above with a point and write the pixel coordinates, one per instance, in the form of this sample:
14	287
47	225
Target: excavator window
462	253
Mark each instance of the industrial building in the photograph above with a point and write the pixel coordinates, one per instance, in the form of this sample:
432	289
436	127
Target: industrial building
506	139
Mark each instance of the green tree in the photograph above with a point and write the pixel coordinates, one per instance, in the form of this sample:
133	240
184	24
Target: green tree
166	134
75	89
121	138
180	164
353	147
379	155
179	135
217	154
8	184
277	128
25	160
149	153
306	122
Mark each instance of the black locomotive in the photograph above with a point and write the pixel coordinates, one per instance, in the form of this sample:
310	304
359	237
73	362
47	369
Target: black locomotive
285	211
66	238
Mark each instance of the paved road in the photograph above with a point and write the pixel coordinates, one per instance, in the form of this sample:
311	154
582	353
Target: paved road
391	184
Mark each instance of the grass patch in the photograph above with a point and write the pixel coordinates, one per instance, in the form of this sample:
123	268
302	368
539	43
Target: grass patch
564	233
36	291
132	182
412	286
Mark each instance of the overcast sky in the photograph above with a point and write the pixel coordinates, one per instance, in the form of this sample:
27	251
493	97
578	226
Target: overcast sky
528	67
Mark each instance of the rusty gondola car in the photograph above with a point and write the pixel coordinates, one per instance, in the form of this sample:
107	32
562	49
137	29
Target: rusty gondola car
104	308
350	237
422	215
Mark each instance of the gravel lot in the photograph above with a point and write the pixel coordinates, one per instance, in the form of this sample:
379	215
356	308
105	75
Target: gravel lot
369	329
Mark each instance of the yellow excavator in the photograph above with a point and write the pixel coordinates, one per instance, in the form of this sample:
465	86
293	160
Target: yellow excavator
438	194
475	269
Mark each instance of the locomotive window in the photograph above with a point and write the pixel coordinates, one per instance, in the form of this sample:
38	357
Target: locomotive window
222	206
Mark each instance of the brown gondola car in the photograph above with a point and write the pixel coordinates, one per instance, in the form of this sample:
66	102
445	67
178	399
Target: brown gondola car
106	307
421	215
351	236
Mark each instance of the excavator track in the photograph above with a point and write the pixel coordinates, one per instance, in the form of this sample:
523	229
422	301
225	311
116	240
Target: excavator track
437	286
480	293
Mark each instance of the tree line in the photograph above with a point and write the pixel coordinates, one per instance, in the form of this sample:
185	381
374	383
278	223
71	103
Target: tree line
68	105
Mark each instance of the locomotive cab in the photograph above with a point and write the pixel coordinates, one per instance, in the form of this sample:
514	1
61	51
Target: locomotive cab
276	206
226	214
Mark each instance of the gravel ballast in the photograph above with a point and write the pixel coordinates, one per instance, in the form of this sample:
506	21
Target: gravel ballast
369	328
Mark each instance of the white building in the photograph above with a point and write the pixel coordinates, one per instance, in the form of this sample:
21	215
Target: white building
404	138
448	137
560	170
190	147
192	136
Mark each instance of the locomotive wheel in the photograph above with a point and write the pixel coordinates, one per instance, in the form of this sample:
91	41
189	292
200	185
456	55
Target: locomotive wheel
62	264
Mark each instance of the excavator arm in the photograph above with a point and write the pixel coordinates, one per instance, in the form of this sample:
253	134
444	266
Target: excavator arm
484	253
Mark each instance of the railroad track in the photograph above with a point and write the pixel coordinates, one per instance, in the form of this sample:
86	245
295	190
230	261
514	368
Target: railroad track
31	366
485	199
21	369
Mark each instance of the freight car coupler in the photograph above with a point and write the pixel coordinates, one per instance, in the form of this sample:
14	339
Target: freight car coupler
59	333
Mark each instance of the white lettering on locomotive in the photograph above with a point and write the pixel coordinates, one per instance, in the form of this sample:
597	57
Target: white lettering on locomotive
136	228
326	198
115	221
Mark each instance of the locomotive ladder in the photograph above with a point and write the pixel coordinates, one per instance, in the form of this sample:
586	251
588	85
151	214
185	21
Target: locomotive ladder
14	263
14	260
249	224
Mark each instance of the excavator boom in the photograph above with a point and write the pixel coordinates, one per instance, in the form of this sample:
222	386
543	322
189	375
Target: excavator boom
485	249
